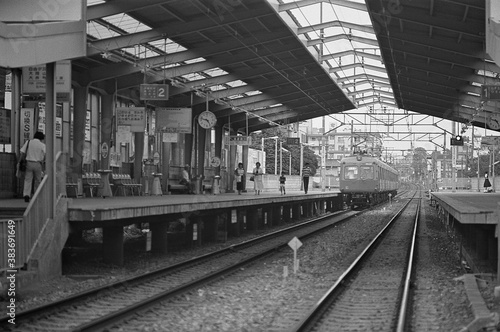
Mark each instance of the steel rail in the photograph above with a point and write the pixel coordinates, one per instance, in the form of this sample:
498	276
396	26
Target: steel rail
320	306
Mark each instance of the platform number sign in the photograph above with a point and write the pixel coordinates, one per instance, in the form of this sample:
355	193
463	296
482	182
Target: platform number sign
490	92
154	92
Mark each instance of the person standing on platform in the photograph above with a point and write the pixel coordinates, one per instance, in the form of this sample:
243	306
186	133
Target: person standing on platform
239	175
34	153
306	173
487	183
257	180
282	183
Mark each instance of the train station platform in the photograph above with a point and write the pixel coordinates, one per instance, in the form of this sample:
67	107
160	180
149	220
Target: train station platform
470	207
471	219
205	218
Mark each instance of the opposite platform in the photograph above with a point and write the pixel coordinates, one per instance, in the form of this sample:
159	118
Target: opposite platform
470	207
116	208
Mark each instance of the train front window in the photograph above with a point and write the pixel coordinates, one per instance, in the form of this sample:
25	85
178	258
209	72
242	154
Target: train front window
366	172
351	172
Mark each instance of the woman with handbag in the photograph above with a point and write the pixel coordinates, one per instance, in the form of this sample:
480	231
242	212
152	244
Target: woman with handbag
257	179
33	152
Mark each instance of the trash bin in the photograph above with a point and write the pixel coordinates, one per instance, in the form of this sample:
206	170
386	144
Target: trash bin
216	185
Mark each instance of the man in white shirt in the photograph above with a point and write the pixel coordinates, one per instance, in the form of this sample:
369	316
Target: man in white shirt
34	152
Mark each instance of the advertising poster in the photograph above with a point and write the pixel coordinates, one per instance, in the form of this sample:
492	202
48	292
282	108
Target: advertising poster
27	124
173	120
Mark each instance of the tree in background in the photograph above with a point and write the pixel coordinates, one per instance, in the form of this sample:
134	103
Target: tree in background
419	163
270	147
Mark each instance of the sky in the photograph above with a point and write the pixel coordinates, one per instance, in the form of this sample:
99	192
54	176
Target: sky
401	132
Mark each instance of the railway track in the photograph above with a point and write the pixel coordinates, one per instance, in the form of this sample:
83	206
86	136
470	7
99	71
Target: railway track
103	306
373	293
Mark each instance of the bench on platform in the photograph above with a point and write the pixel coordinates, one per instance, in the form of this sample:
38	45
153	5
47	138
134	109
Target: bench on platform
175	187
72	187
125	185
90	182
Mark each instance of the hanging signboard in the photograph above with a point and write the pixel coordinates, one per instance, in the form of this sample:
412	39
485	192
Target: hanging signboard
34	80
490	92
5	126
27	124
135	117
88	125
238	140
170	138
42	116
490	141
153	92
293	141
173	120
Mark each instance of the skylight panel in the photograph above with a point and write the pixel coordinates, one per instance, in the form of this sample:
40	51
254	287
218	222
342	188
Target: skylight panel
237	83
126	23
99	31
215	72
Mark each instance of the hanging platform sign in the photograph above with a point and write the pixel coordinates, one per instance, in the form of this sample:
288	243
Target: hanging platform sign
173	120
153	92
490	92
135	117
34	80
238	140
293	141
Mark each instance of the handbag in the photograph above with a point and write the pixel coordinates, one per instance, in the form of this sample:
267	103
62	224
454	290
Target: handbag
252	178
23	161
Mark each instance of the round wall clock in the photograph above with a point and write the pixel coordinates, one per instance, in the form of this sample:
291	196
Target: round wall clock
207	119
215	161
494	122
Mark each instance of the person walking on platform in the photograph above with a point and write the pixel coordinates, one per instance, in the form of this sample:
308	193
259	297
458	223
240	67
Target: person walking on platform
239	175
257	179
282	183
487	183
34	153
306	173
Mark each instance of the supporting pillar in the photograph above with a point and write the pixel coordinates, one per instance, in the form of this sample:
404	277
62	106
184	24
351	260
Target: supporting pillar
296	211
222	226
210	231
252	220
106	123
481	244
188	148
202	135
244	160
138	152
159	242
165	164
277	215
234	220
50	136
287	209
232	167
79	122
218	146
112	244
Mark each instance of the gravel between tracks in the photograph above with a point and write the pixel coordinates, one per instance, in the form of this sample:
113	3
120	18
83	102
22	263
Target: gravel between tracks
261	299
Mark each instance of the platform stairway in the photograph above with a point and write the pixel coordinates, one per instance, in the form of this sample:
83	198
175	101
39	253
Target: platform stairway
39	238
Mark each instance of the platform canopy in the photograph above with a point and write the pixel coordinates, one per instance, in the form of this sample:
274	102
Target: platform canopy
264	63
435	55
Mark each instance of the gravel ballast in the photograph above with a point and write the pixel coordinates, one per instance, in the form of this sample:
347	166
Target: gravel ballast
261	298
